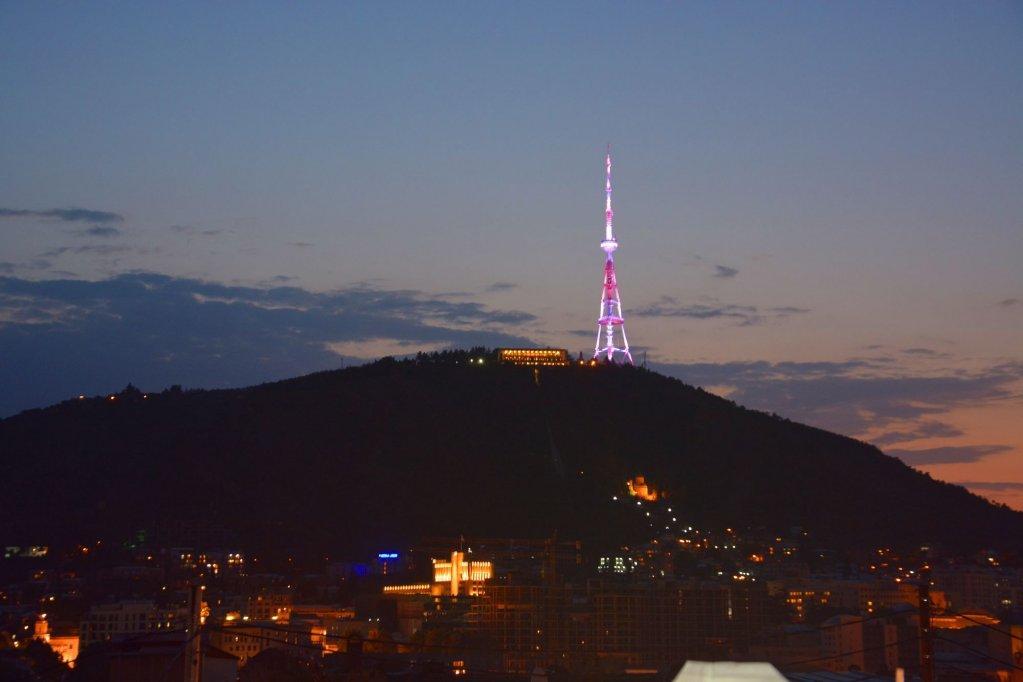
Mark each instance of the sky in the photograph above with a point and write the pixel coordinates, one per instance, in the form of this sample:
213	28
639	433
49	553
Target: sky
818	205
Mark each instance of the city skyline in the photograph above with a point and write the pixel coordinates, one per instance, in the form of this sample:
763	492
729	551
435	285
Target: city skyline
822	209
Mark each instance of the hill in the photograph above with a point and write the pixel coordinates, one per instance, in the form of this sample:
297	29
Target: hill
367	457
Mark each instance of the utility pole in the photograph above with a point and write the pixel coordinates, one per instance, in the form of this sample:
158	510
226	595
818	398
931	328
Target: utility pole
926	633
552	601
193	643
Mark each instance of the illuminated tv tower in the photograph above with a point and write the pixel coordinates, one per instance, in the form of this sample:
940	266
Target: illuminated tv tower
611	317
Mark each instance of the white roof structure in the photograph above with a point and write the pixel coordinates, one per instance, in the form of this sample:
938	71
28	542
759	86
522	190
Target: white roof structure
728	671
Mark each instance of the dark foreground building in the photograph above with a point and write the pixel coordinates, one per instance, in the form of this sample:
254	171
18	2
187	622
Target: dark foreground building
612	626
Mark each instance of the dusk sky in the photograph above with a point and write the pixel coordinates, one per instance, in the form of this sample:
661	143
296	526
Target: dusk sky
819	205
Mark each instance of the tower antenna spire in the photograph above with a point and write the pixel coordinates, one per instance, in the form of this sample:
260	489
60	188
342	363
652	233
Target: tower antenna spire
608	213
611	318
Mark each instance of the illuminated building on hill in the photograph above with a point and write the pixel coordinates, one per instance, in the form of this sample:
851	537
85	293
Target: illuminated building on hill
534	357
638	487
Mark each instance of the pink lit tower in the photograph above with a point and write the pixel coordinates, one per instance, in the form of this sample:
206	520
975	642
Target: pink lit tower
611	322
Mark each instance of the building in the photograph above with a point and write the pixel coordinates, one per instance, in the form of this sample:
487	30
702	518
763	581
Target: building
459	570
620	565
450	578
269	605
109	622
455	582
534	357
63	641
789	646
158	657
246	639
855	596
639	487
854	643
801	599
973	587
520	557
609	626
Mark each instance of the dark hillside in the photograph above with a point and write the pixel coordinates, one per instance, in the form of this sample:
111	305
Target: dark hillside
361	458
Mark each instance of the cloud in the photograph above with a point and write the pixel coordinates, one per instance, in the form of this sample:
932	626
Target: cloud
745	315
850	396
991	485
301	245
668	306
277	280
383	347
1010	302
951	454
99	231
65	337
191	230
18	309
925	429
8	267
67	215
924	353
725	272
98	249
502	286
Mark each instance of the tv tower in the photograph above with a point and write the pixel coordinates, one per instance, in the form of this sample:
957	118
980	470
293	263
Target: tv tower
611	317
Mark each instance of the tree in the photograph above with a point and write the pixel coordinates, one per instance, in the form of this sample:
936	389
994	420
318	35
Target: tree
34	662
46	663
92	664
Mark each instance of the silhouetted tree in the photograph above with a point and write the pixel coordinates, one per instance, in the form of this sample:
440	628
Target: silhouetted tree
34	662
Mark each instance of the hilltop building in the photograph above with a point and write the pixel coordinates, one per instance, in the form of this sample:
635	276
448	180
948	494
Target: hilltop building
533	357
